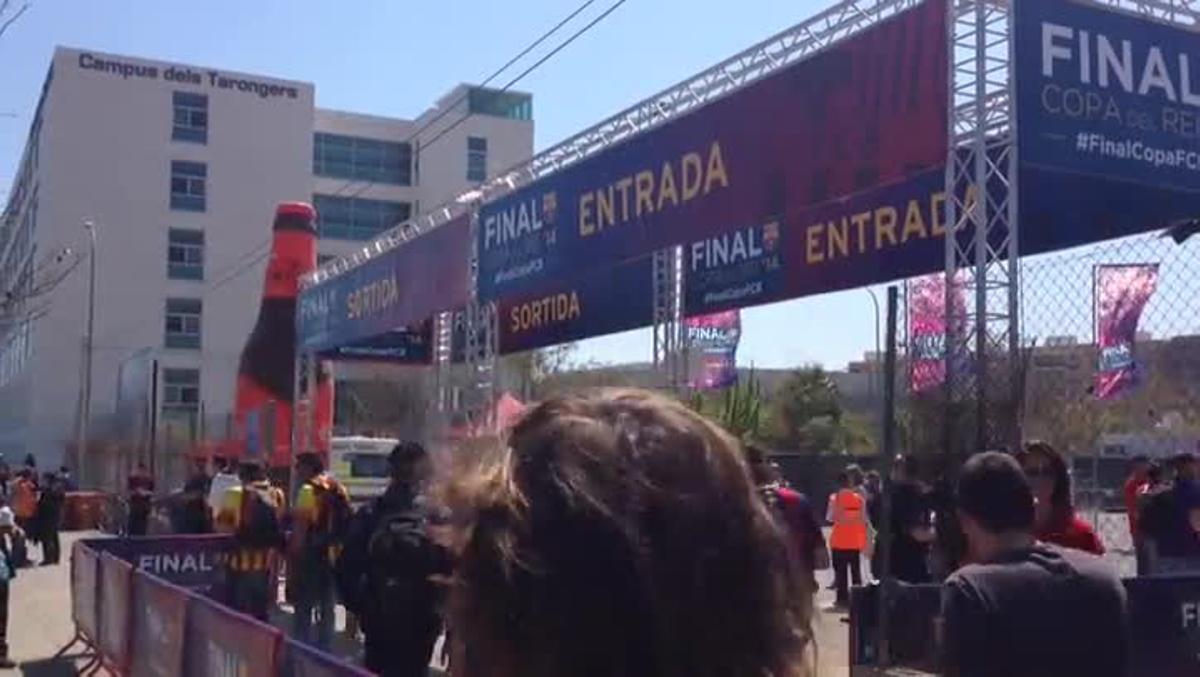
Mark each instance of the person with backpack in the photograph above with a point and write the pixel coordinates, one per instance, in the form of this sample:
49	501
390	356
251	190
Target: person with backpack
795	514
385	572
250	512
321	516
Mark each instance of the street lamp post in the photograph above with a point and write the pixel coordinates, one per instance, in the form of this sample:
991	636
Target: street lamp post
85	409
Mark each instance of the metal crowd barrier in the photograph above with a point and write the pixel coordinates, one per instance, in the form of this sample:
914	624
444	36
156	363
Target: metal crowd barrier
150	607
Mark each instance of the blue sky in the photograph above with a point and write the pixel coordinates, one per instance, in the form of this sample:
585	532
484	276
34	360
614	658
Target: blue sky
396	57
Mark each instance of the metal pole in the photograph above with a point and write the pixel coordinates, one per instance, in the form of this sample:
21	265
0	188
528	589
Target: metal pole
889	454
85	410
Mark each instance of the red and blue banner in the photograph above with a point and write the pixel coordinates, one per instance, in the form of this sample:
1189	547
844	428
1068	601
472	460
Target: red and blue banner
603	302
927	329
194	562
1122	292
159	622
116	580
400	288
866	112
222	641
714	340
1108	120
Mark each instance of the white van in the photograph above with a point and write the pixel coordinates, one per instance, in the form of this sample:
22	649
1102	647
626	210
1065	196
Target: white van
361	465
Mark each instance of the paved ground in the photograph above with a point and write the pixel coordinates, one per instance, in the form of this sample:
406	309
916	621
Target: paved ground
39	616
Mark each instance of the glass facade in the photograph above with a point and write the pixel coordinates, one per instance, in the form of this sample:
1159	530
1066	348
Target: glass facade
188	185
359	159
185	254
356	218
190	121
182	326
510	105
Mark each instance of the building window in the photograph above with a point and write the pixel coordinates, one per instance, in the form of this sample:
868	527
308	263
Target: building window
359	159
191	117
500	104
477	151
188	188
181	389
351	218
185	254
183	323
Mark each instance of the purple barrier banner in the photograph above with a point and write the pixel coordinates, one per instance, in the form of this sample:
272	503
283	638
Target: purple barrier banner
85	590
116	581
159	621
302	660
1122	292
867	111
221	641
193	562
399	288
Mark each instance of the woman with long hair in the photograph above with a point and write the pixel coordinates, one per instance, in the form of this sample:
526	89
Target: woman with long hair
619	534
1055	519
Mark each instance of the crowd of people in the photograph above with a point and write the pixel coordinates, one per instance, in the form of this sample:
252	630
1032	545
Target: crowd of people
617	532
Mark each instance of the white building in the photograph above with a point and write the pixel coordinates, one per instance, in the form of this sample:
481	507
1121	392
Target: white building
180	168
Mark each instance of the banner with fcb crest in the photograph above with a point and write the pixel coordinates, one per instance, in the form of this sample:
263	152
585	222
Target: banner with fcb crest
866	112
1122	292
927	330
738	269
714	339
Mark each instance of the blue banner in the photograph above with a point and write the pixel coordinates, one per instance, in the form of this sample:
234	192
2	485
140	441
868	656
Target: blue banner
1108	108
411	346
868	111
1104	93
741	268
397	289
591	305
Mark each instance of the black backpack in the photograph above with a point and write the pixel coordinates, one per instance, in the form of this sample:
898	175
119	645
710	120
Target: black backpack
401	559
260	527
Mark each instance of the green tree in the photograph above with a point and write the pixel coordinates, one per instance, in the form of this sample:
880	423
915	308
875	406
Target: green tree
808	414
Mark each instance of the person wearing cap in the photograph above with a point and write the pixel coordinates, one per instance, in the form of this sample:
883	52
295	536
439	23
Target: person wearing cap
385	572
320	517
251	512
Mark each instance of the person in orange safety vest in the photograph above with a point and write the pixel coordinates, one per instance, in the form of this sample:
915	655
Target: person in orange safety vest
849	536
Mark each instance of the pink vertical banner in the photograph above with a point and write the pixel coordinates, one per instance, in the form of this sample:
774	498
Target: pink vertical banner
927	328
715	339
1121	294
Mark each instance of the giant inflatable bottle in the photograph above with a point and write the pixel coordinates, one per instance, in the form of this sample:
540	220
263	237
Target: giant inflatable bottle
265	387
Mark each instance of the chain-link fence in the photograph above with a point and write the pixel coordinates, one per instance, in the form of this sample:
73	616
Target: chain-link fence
1102	384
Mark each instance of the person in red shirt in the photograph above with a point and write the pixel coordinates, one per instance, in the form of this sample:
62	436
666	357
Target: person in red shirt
1055	520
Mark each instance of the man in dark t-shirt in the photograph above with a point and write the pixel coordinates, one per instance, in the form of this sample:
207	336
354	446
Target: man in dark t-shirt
1021	607
911	527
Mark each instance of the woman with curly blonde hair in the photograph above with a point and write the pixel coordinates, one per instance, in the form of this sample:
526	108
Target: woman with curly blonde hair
619	534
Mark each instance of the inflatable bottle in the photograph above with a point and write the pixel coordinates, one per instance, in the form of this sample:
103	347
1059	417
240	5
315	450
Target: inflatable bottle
265	400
